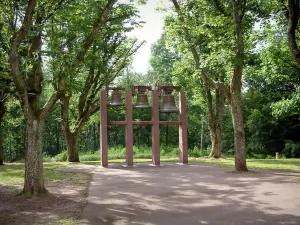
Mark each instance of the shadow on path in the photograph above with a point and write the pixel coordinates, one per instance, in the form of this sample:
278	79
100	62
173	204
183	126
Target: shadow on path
191	194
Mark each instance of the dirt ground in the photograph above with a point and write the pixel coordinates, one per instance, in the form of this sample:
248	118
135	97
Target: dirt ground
64	202
191	195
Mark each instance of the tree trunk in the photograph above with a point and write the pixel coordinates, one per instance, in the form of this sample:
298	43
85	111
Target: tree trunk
236	92
239	131
293	8
72	140
1	146
2	112
202	135
34	180
215	122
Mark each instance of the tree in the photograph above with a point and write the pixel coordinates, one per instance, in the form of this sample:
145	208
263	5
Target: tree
29	86
233	93
110	52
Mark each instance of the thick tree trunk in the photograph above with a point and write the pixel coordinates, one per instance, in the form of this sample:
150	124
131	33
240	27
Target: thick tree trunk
34	180
215	122
236	91
72	141
71	138
239	131
216	138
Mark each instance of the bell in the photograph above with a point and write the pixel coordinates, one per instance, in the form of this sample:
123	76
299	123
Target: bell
168	105
116	99
142	102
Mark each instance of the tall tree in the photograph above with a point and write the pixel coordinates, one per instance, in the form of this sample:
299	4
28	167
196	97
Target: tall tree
105	57
29	86
233	93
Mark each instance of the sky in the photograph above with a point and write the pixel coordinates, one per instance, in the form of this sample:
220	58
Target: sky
150	32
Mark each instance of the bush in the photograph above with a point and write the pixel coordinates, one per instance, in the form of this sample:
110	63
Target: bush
47	158
90	157
61	157
291	149
196	152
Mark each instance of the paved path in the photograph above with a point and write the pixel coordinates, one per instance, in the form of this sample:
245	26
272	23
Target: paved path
191	194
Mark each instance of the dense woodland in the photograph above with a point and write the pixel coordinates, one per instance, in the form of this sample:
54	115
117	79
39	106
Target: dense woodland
238	62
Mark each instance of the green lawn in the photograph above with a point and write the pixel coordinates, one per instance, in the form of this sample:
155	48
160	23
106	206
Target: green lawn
13	173
288	165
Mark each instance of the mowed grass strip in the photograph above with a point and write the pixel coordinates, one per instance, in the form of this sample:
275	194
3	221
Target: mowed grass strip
288	165
13	173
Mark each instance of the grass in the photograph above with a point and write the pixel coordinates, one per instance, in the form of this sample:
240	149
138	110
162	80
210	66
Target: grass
287	165
13	173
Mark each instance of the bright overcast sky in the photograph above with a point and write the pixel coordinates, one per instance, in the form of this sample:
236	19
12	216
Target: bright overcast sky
150	32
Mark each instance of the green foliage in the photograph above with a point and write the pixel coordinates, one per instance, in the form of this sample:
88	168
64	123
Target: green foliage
291	149
287	107
196	152
61	157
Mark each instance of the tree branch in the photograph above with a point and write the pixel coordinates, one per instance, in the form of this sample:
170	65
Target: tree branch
14	56
48	106
207	80
97	26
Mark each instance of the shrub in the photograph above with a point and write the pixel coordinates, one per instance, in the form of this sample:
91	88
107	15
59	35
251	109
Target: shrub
196	152
291	149
47	158
90	157
61	157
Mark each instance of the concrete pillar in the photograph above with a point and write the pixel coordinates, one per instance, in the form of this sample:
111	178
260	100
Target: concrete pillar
129	129
155	129
103	129
183	144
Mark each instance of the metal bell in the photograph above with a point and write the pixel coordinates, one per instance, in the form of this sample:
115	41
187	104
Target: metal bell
168	105
142	102
116	99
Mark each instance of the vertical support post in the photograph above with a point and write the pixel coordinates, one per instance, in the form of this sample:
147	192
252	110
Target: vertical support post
129	129
103	129
183	144
155	129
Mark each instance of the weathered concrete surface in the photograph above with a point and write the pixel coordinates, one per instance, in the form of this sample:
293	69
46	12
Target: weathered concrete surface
191	194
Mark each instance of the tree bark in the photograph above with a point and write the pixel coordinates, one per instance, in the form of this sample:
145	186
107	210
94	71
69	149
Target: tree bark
236	92
70	137
34	180
72	141
202	135
2	112
215	122
293	8
1	147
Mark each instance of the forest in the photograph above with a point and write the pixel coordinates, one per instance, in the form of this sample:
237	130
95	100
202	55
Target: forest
238	62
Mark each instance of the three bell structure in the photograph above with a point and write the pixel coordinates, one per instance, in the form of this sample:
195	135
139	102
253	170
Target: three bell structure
168	100
116	99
